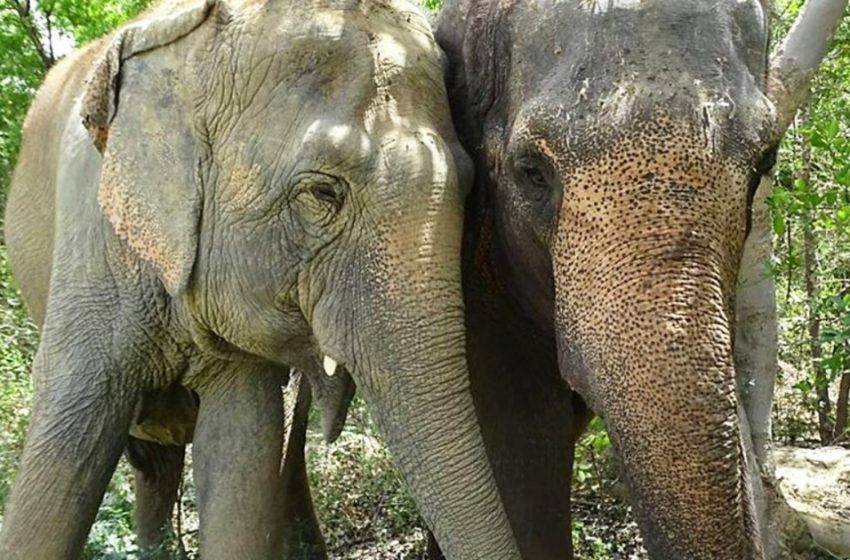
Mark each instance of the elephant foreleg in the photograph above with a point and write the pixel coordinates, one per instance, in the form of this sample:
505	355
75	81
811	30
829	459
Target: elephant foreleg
530	420
302	538
76	435
237	453
157	471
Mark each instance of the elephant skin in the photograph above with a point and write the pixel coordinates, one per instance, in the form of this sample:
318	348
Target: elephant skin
618	147
217	192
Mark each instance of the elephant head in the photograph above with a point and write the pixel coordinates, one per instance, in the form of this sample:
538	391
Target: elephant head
299	191
619	145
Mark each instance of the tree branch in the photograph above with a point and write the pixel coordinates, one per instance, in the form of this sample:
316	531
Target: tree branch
27	20
47	15
794	64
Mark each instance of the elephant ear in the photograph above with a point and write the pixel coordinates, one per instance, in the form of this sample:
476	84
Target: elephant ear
137	111
470	33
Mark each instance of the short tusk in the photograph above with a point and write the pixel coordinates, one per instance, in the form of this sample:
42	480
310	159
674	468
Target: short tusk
330	365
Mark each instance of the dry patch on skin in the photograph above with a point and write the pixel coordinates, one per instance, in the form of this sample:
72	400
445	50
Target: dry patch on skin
134	223
602	6
246	182
138	223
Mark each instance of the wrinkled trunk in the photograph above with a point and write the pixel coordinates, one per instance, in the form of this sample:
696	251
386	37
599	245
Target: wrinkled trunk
659	368
407	352
423	406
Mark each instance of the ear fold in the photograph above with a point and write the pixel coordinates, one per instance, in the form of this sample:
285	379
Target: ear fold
137	110
471	35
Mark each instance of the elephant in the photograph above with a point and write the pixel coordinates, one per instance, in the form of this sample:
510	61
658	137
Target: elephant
164	423
217	192
619	146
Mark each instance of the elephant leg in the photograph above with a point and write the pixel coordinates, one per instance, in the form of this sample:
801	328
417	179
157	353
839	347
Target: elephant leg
534	474
432	550
237	453
302	538
157	471
531	420
76	435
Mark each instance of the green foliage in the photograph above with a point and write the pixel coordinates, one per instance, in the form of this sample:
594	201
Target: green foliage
18	339
589	546
85	20
20	72
50	26
357	490
112	536
433	5
813	193
593	469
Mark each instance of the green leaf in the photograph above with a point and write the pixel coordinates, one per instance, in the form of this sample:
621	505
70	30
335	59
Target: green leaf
843	177
831	197
817	141
831	129
779	226
804	386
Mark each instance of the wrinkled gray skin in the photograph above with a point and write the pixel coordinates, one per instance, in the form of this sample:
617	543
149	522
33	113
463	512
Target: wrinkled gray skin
164	423
258	184
618	146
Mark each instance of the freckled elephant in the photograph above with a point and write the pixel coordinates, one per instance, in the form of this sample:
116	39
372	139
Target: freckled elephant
214	193
618	148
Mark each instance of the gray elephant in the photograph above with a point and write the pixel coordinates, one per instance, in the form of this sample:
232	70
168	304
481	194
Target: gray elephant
252	185
164	423
619	145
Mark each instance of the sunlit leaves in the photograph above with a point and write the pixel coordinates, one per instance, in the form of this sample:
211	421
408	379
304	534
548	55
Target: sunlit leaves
22	69
821	203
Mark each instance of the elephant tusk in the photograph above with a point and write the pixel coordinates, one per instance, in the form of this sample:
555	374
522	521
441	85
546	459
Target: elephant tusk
330	365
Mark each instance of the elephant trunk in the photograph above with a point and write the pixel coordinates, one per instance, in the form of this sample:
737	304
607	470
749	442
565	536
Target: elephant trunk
651	351
428	419
406	349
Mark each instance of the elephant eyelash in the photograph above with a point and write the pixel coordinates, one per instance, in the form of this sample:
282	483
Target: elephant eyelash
533	173
325	192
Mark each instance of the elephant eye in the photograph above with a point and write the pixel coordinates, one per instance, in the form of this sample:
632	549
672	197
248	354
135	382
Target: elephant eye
535	176
327	193
318	197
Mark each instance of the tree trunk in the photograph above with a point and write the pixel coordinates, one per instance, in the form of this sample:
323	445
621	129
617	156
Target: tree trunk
756	364
841	411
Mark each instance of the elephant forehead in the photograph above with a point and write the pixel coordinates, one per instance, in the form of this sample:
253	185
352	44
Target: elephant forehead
651	150
602	6
665	44
337	135
336	69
